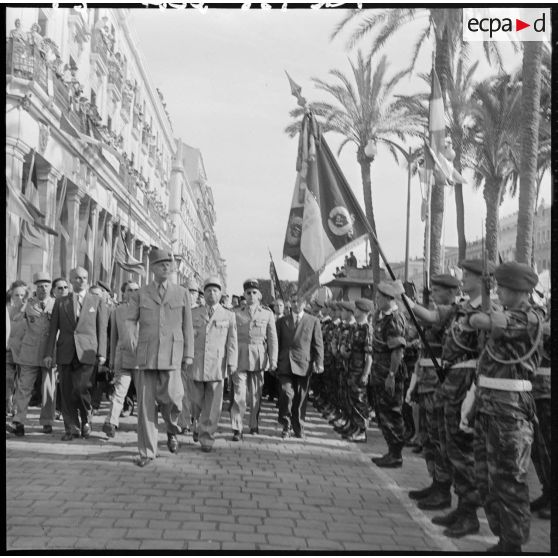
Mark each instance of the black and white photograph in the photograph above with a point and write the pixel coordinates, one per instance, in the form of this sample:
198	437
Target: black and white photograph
278	278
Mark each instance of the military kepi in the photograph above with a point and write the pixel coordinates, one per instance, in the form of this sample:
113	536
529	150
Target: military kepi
251	284
476	266
445	280
157	256
516	276
213	281
41	277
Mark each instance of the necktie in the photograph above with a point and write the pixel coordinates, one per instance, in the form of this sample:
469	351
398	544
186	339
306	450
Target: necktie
79	305
210	312
296	320
162	291
42	305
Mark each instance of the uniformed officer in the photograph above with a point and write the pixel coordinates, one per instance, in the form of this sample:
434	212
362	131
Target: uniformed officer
332	408
257	351
504	406
461	347
426	385
34	336
388	343
320	387
165	342
215	351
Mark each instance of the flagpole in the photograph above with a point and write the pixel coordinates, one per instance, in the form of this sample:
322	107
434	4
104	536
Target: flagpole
407	240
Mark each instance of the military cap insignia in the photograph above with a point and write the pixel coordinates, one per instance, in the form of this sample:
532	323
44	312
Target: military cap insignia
341	222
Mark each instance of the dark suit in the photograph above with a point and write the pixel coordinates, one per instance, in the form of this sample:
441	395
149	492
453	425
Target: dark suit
79	344
299	349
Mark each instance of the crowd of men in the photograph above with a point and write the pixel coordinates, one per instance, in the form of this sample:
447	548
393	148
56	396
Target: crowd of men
479	375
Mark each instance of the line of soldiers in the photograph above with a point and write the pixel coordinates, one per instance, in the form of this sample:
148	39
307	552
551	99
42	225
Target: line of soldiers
479	420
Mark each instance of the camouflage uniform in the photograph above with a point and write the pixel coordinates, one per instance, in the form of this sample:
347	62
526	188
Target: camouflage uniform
328	332
361	345
389	335
504	425
345	336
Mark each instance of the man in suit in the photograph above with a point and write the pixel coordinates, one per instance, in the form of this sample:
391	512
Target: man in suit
301	352
81	319
257	349
165	343
121	360
215	351
37	311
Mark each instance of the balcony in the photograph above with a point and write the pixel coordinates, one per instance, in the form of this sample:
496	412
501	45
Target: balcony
115	79
100	54
61	95
25	61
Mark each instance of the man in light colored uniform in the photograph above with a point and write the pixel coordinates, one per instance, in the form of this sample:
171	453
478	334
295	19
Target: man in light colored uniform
257	351
122	360
215	346
34	336
165	343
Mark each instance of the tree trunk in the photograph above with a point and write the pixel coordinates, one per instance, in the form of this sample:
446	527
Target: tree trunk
364	163
530	106
459	206
492	193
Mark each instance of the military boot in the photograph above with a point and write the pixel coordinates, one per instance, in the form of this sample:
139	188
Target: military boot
448	519
391	460
466	524
422	492
358	436
438	499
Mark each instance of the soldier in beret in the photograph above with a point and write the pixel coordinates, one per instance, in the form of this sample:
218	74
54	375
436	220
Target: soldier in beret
426	385
504	406
165	343
388	345
257	351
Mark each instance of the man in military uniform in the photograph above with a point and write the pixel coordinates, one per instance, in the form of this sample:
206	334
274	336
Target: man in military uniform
257	350
359	366
34	336
215	354
426	385
388	343
165	342
320	387
460	350
504	406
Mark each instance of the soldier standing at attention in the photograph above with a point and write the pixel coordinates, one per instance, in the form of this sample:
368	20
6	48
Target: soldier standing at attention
165	342
215	351
461	347
504	406
257	350
426	384
388	343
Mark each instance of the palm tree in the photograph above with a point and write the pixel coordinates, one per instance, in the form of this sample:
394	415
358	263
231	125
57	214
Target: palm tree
362	114
532	80
493	147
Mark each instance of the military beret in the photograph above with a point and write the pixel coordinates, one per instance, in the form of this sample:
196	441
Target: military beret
212	281
104	286
345	305
41	277
516	276
391	288
251	284
445	280
476	266
157	256
364	304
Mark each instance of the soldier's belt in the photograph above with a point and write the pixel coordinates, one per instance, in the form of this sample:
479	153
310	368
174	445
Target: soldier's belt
466	364
544	371
427	362
505	384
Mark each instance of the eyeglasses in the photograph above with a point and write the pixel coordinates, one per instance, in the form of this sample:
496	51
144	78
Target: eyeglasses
61	288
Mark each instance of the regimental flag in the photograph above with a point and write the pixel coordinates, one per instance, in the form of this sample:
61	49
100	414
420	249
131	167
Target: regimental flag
124	259
276	290
332	220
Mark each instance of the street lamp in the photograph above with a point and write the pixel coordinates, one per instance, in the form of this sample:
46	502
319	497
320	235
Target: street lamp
371	149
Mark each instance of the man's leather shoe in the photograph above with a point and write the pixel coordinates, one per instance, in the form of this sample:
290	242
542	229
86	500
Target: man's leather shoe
255	430
300	435
143	461
86	430
47	429
448	519
286	433
16	428
237	436
69	436
438	499
206	449
359	437
195	436
539	503
422	492
466	524
172	442
109	429
388	461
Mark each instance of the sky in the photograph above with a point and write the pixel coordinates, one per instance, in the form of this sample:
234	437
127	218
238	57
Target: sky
222	74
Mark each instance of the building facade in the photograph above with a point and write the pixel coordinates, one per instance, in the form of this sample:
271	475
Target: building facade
90	144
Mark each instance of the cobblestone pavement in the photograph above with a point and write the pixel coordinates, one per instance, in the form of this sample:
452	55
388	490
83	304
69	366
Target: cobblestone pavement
261	494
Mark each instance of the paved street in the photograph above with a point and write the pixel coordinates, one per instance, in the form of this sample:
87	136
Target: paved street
261	494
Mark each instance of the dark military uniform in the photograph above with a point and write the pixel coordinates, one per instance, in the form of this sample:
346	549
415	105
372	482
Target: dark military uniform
342	363
505	412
